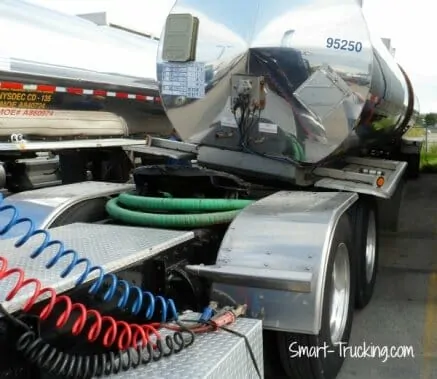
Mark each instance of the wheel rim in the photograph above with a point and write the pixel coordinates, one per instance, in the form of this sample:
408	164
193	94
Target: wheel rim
340	292
370	247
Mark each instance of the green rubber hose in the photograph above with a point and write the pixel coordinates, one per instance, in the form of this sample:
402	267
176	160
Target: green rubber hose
132	209
299	153
177	204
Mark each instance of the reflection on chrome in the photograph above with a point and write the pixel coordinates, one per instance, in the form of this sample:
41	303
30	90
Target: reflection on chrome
319	83
95	53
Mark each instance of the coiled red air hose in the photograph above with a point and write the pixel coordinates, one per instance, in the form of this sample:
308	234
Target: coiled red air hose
112	331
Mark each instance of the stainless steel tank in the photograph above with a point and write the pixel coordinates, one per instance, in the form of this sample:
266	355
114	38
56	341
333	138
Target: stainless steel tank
59	62
330	86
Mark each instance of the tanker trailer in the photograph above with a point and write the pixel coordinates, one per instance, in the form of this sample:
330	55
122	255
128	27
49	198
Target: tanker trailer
80	91
303	92
278	219
309	105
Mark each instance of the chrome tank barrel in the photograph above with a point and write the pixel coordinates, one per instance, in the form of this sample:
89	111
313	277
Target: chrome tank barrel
329	85
48	43
60	62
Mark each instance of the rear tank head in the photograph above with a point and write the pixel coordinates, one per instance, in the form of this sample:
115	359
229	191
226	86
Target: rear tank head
285	81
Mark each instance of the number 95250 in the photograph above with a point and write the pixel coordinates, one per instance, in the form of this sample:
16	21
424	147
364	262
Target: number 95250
343	44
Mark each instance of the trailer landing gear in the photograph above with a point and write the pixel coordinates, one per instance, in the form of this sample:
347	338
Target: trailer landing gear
321	356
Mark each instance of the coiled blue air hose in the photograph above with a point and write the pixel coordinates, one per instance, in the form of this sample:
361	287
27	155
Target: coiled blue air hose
143	299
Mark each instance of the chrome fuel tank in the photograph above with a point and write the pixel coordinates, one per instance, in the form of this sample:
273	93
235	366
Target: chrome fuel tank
329	85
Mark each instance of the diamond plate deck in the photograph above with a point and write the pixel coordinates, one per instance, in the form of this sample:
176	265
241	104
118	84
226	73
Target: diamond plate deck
216	355
111	246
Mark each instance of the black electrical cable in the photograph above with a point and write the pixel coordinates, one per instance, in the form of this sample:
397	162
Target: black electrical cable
54	361
244	126
47	357
226	329
249	348
239	105
243	123
254	121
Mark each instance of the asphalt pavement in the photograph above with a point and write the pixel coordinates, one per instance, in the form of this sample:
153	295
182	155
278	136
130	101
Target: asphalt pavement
403	313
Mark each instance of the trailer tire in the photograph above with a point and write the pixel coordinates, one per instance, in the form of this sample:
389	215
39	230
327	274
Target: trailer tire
367	249
326	358
413	168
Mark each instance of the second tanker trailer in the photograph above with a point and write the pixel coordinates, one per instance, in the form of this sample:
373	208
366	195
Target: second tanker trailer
82	92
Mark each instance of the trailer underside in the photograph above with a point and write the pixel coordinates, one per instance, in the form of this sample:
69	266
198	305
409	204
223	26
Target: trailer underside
273	257
127	251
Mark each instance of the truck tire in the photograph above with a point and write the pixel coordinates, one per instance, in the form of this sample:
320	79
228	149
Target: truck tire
413	168
321	356
389	210
367	249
